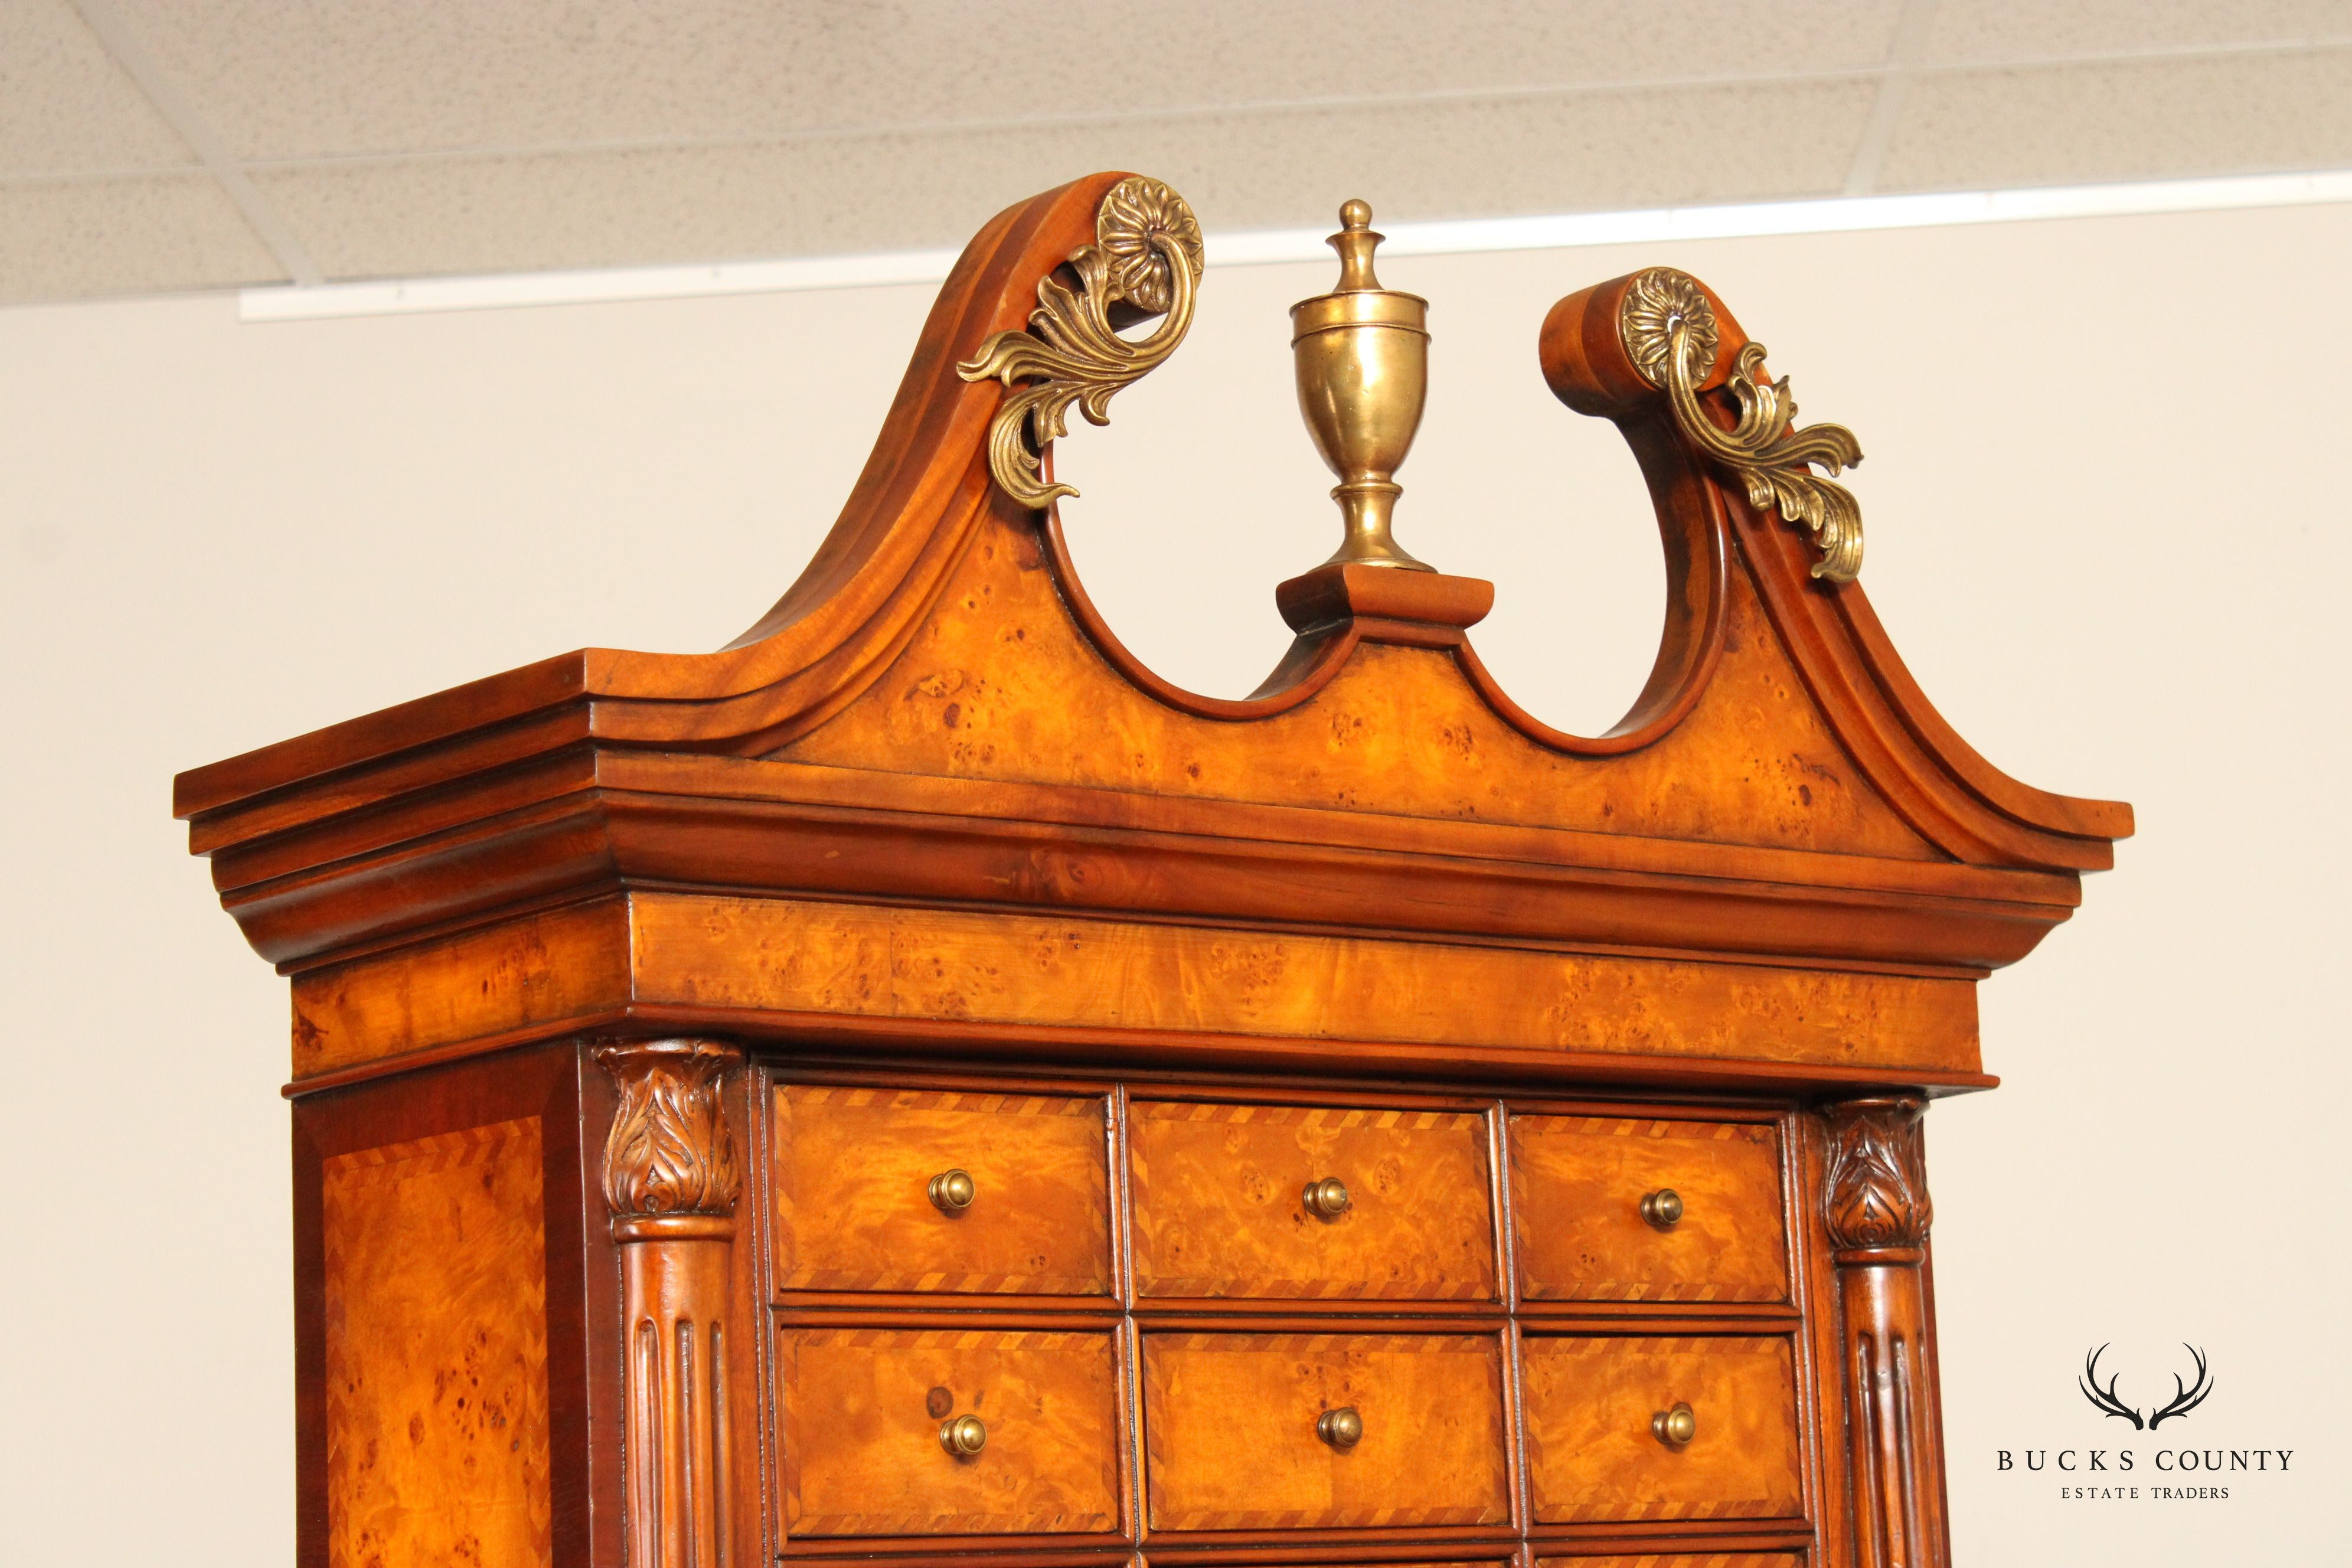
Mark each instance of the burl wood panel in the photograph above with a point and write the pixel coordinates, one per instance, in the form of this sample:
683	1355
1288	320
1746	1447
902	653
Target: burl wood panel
1681	1560
853	1170
1591	1455
561	964
796	956
436	1397
860	1439
1577	1192
1218	1193
1229	1429
1008	688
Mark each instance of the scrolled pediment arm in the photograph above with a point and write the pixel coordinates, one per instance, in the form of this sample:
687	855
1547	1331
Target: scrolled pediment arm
1664	332
1145	261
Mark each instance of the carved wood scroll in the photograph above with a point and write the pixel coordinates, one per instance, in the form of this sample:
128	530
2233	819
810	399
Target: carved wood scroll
672	1181
1876	1208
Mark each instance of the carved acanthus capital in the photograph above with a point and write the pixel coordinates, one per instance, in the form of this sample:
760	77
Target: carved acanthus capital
1874	1178
670	1155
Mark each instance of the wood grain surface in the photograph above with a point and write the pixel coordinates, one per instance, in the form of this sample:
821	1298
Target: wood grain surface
1218	1195
853	1167
860	1424
436	1394
1577	1187
1229	1427
710	964
1680	1560
544	969
1591	1455
1009	688
928	963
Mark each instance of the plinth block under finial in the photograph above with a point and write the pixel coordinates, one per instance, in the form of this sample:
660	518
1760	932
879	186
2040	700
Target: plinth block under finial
1388	603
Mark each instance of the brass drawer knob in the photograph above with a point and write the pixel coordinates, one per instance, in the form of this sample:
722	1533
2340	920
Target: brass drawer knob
1674	1427
963	1436
1327	1200
1663	1208
953	1192
1342	1429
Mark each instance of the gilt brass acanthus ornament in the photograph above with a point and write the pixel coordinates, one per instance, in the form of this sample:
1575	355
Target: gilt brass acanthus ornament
1660	301
1145	261
1669	332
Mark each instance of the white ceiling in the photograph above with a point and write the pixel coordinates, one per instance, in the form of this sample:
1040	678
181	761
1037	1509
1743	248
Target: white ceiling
152	145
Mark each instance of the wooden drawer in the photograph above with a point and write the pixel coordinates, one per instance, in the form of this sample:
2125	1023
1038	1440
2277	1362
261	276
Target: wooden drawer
854	1211
1230	1441
862	1410
1220	1207
1681	1560
1577	1187
1592	1453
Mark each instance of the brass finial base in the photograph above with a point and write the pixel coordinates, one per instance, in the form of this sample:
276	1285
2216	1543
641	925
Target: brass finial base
1361	354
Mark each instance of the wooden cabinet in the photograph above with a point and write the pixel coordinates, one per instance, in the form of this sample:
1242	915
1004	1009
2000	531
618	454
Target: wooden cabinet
917	1085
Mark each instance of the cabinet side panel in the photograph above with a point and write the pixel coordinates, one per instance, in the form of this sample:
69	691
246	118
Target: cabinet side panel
438	1300
435	1305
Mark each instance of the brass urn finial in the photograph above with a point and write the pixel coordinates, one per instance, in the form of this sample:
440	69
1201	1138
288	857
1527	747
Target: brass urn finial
1355	242
1361	352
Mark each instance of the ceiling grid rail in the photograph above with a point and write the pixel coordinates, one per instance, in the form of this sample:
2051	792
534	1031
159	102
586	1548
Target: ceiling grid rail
1914	23
179	112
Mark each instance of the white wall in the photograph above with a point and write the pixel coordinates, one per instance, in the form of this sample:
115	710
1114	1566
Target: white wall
2105	527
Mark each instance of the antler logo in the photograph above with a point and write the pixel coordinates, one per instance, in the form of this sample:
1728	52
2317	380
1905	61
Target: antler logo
2185	1397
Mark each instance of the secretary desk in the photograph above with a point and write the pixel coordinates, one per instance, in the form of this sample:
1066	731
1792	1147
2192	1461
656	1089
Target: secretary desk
916	1084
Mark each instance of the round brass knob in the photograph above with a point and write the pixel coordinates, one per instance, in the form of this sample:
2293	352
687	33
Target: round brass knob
963	1436
952	1191
1674	1427
1342	1429
1326	1199
1663	1207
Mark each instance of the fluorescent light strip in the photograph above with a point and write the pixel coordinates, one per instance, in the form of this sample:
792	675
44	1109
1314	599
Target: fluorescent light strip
1458	237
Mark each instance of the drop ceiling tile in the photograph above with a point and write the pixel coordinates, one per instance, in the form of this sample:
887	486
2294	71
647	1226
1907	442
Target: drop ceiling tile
1533	153
290	79
2003	31
66	240
66	107
425	217
2124	121
815	195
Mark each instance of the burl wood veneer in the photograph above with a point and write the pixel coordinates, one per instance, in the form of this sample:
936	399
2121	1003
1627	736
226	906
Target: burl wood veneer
1220	1209
1039	1160
1577	1183
915	1084
435	1296
859	1402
